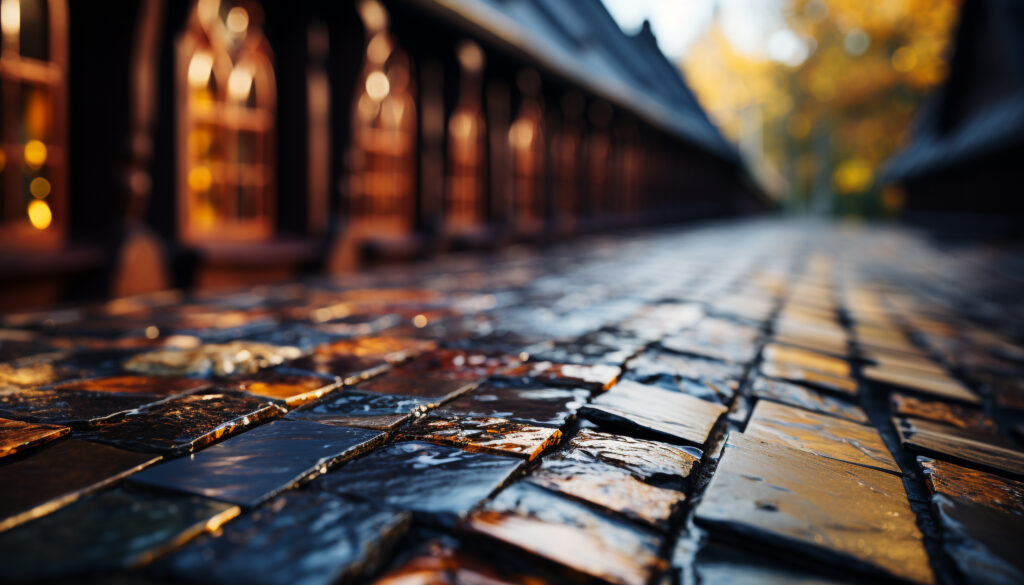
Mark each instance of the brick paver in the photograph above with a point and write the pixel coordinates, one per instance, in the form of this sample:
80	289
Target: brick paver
739	402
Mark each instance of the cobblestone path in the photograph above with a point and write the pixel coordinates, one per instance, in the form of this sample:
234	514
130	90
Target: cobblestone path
759	402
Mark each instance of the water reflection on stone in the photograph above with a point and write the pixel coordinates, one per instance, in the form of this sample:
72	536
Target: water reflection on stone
542	523
442	482
256	465
301	537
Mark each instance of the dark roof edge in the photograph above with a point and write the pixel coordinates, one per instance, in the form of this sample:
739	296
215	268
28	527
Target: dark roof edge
498	27
1000	126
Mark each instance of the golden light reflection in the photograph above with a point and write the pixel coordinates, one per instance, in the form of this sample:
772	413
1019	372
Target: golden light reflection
200	179
377	85
199	69
35	154
373	15
39	214
471	56
904	59
379	48
520	135
10	17
237	20
240	83
201	139
3	161
39	188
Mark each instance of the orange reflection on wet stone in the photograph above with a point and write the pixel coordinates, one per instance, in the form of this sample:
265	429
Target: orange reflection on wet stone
943	412
441	563
803	358
991	452
485	435
390	349
979	487
569	533
17	436
939	386
820	434
815	506
155	385
292	389
609	487
792	373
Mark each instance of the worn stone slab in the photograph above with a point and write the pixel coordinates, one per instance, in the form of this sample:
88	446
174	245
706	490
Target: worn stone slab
183	424
371	410
219	359
444	561
820	434
832	511
55	475
459	364
717	563
384	347
486	435
163	386
595	377
286	387
821	381
962	417
254	466
659	367
532	519
1007	391
983	542
113	530
655	462
350	369
806	398
440	481
982	488
437	389
67	407
834	346
655	410
609	487
29	372
17	436
972	449
601	347
534	404
717	339
298	538
785	355
940	387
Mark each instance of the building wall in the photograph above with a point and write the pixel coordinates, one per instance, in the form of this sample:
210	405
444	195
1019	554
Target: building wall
584	163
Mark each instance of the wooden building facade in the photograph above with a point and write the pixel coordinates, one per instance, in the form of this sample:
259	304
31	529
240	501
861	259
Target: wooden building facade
149	144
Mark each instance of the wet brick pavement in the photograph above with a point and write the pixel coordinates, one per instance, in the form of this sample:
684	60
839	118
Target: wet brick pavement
760	402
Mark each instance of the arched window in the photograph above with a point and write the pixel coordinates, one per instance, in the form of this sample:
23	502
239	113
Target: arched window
226	113
382	179
526	137
33	158
464	205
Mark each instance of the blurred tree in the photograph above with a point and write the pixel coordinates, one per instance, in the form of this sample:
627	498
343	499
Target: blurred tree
828	98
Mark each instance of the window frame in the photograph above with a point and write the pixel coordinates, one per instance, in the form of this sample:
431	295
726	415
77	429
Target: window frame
228	121
16	72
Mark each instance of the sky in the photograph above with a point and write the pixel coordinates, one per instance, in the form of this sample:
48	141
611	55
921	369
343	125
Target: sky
754	27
